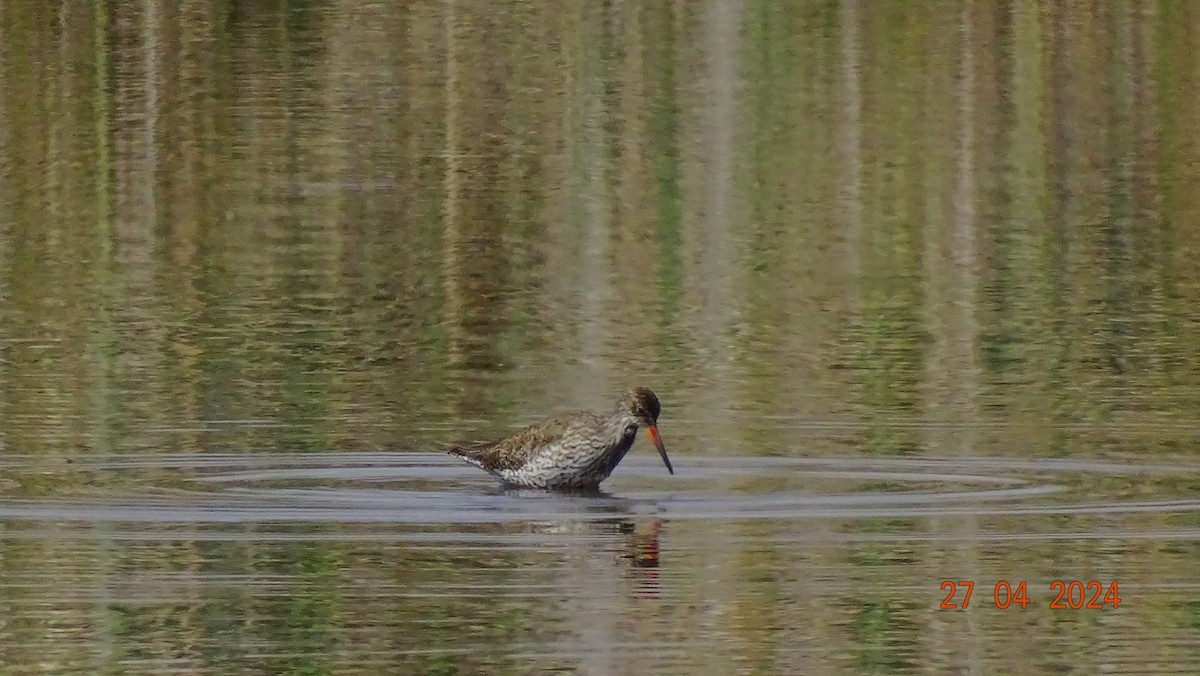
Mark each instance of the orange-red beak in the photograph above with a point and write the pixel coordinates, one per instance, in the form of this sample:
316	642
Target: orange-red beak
652	430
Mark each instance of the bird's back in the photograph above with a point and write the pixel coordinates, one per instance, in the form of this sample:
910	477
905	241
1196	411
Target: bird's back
518	450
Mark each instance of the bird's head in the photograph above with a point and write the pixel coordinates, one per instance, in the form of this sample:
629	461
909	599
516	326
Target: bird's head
643	406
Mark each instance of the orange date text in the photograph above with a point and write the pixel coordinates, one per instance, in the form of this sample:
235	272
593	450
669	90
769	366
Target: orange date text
1072	594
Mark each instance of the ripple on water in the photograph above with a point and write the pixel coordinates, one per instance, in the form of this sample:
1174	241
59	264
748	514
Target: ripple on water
430	488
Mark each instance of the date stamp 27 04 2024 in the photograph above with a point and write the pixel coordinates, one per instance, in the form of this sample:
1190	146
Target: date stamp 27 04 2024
1068	594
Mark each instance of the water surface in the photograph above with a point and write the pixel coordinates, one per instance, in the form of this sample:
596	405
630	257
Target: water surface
915	285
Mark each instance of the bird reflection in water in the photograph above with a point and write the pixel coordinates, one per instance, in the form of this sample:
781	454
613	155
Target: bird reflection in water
642	553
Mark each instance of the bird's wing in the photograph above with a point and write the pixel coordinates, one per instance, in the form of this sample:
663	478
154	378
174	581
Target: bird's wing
514	451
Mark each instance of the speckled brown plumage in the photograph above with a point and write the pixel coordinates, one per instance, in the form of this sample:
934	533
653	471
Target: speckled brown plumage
571	450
